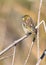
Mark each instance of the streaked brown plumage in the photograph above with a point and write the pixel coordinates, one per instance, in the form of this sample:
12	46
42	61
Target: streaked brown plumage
28	25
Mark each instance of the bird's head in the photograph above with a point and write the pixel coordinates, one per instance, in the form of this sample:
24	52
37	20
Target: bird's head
25	18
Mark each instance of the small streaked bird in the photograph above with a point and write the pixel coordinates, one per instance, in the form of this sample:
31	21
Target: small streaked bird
28	26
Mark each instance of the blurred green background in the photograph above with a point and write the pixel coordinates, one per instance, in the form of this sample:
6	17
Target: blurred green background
11	12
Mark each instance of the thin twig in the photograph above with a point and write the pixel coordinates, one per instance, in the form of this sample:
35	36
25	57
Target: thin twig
42	56
40	24
29	53
38	27
14	43
38	62
14	51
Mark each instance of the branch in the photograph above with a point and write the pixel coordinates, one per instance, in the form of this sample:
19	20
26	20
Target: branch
14	51
40	24
15	43
29	53
42	56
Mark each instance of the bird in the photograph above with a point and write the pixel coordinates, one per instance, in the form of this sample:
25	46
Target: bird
28	26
